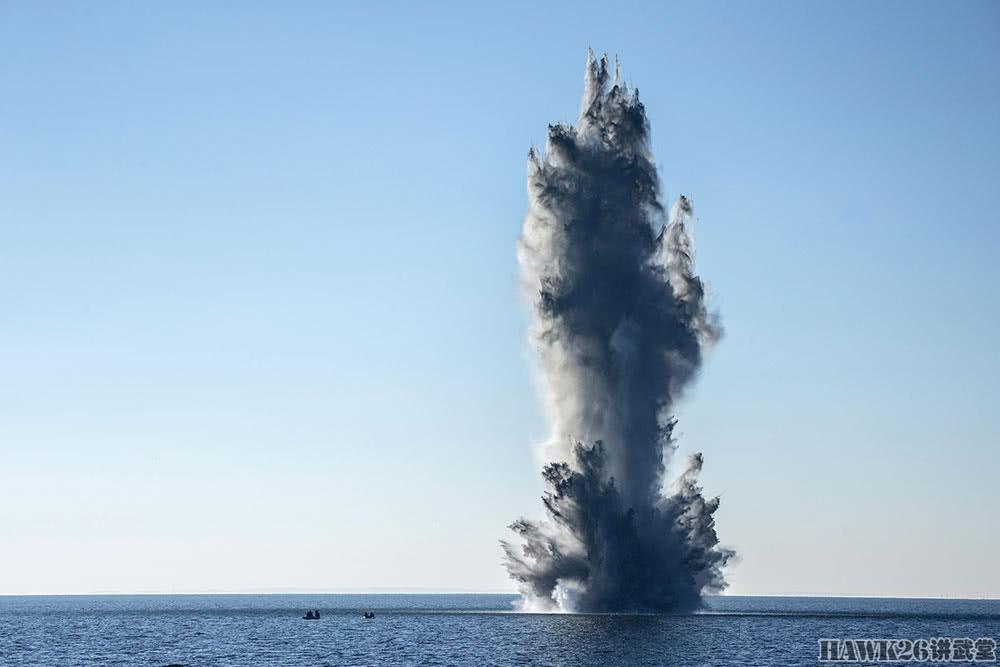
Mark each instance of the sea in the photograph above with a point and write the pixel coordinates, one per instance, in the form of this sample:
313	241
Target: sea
461	629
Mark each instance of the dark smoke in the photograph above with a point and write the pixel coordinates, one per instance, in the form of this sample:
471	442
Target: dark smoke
621	328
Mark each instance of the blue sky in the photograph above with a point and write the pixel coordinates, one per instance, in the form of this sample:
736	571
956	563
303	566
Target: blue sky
260	327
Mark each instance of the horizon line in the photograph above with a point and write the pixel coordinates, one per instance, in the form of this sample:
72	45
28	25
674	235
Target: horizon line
470	592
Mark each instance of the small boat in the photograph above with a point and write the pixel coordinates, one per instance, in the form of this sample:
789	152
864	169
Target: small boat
312	615
369	614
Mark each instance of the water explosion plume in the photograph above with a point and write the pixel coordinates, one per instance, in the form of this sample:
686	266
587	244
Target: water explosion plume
621	327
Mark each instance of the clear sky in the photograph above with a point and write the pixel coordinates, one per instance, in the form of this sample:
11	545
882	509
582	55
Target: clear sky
259	321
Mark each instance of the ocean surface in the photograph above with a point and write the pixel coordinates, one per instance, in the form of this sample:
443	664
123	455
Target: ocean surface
223	630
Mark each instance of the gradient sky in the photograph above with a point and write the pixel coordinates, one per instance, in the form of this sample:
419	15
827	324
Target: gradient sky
259	322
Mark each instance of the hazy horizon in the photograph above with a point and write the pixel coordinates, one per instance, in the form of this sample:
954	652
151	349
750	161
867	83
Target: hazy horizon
515	594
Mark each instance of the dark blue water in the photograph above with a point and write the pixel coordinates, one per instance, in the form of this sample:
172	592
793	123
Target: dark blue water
218	630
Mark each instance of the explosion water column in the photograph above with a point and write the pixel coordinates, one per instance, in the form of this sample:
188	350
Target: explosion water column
621	327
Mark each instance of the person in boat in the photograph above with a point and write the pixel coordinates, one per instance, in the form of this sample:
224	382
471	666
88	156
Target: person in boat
317	613
309	616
